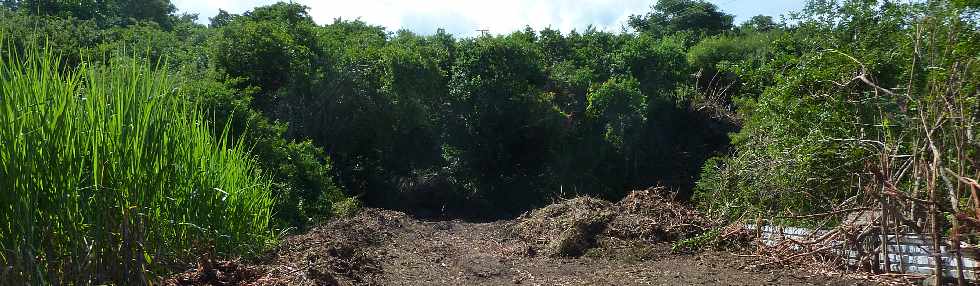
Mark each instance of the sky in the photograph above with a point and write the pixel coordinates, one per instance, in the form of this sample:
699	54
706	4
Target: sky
465	17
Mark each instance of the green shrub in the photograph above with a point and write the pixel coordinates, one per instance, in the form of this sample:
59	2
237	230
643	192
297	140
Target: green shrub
716	50
109	174
301	171
700	242
347	207
816	137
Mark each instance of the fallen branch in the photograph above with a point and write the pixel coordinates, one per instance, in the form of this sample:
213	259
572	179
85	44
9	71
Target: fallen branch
798	255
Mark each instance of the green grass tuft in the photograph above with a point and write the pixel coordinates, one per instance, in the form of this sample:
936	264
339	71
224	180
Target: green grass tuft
109	175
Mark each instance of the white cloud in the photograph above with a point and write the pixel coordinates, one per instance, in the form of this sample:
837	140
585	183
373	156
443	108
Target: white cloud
464	17
461	17
209	8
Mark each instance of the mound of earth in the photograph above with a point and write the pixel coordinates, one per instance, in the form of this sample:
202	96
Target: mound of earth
380	247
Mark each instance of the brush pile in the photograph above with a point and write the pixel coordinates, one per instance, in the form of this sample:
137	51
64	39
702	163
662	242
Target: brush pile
570	228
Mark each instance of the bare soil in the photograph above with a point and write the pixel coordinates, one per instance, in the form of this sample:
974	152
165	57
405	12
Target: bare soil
381	247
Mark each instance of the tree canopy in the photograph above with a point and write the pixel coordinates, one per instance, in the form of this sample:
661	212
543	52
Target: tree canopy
698	17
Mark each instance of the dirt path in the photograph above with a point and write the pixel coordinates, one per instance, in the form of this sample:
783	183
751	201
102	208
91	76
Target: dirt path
379	247
458	253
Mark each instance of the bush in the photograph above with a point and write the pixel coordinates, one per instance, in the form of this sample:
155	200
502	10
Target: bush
839	110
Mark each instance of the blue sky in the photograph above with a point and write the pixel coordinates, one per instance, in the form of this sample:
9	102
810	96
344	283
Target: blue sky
464	17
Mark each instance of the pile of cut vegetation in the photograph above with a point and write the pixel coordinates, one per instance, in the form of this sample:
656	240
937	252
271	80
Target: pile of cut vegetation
341	252
572	227
651	216
567	228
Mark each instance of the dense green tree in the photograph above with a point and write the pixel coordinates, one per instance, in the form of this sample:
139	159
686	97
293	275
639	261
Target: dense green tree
106	13
617	114
658	64
669	17
618	106
760	23
502	124
270	48
221	19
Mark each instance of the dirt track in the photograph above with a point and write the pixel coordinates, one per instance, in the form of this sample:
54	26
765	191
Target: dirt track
379	247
